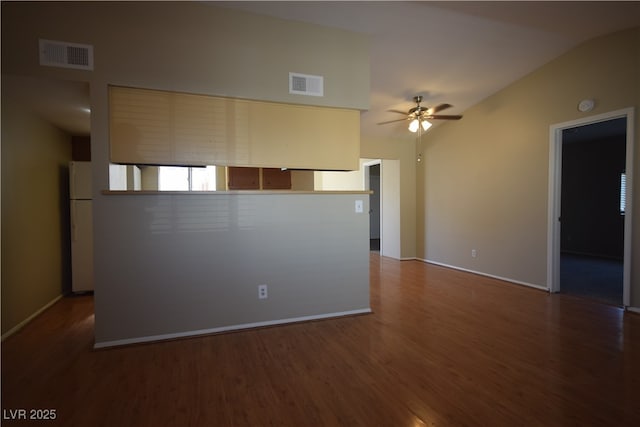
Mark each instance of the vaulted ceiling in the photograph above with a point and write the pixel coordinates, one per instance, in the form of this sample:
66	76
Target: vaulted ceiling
449	52
454	52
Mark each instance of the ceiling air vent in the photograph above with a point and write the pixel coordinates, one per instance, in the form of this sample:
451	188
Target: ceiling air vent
304	84
66	55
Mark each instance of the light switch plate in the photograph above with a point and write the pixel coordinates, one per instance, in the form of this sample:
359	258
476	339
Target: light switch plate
359	206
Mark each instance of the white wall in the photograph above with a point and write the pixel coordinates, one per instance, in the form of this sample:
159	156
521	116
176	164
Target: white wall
390	215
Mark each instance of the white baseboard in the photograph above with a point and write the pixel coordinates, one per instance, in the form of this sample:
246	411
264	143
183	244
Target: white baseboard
504	279
633	309
162	337
412	258
29	319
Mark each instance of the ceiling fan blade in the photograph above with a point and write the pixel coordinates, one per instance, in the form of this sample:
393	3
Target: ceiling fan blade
439	108
443	117
393	121
397	111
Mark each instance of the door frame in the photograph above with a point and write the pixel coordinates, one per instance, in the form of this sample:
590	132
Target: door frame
555	186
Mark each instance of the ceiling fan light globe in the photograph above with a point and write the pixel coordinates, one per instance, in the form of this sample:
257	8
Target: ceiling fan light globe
414	125
425	125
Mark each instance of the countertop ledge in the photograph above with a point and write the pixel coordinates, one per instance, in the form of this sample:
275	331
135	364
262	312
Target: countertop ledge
227	193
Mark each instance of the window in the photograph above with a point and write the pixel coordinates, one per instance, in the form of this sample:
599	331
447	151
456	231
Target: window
176	178
623	192
203	179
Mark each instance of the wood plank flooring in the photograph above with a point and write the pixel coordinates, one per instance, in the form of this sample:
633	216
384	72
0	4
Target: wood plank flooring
442	348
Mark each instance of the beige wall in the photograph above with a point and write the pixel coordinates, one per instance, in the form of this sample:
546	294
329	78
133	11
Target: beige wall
198	48
35	245
191	47
209	50
337	181
302	180
484	181
404	152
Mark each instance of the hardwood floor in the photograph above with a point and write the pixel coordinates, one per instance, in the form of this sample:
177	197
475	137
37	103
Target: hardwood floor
442	348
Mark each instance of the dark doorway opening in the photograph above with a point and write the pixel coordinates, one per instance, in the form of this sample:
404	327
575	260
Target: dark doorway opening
592	210
374	207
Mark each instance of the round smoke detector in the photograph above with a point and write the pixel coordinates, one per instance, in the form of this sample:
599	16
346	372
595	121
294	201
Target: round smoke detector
586	105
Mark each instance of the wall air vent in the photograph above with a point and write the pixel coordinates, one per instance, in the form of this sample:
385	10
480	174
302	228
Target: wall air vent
66	55
304	84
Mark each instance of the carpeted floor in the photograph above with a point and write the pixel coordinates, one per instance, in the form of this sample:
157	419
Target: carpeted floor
591	277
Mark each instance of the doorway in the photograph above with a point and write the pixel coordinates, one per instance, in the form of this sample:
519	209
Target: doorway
372	183
589	207
387	222
592	210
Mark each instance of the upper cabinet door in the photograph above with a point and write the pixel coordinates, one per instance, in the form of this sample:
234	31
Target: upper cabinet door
276	179
239	178
168	128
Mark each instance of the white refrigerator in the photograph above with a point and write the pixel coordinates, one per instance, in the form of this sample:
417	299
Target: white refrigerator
81	227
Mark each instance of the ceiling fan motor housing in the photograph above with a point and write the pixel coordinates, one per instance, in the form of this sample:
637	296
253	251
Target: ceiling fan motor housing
422	113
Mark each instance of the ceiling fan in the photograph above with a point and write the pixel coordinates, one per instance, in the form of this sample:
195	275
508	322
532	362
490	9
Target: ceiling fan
418	115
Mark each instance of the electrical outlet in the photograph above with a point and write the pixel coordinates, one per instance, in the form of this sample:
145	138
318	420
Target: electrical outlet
474	253
262	292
